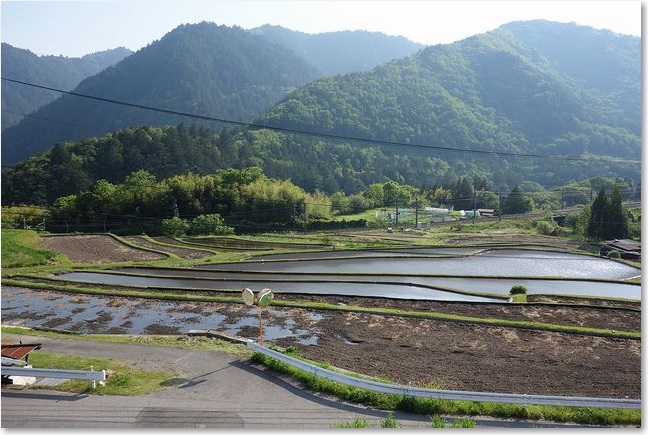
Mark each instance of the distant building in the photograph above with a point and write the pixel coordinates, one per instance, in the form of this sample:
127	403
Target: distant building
438	214
486	212
468	214
628	249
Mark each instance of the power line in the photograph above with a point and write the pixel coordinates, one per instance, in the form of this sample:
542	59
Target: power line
318	134
42	118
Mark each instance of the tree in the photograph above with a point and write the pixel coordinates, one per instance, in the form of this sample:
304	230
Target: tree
174	227
597	215
517	202
212	224
608	219
616	219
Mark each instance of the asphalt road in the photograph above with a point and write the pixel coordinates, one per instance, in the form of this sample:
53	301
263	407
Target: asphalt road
215	390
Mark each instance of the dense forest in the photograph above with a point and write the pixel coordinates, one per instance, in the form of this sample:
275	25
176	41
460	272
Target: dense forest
490	93
54	71
205	69
202	69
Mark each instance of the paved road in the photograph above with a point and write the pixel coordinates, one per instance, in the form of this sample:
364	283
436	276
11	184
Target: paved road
216	390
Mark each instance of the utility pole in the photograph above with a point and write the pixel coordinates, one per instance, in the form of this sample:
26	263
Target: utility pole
562	198
501	210
396	214
305	217
474	207
176	211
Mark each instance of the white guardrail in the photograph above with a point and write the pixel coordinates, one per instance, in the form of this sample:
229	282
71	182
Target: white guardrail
55	373
472	396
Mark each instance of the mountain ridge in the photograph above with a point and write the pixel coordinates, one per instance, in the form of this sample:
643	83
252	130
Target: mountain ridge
55	71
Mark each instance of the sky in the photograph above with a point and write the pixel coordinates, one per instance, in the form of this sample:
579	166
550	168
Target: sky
76	28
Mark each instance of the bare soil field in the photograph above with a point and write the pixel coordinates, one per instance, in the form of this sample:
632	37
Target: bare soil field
96	249
464	356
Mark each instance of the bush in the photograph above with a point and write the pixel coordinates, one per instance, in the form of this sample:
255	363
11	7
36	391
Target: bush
547	228
211	224
614	254
174	227
390	422
518	290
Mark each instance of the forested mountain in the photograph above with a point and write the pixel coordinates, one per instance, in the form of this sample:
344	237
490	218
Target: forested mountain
54	71
606	64
341	52
204	68
494	93
200	68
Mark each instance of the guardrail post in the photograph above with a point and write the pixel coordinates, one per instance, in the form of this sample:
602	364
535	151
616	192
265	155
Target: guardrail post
94	382
525	401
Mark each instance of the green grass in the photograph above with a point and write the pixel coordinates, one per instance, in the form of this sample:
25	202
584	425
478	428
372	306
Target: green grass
596	416
355	424
182	342
19	250
124	378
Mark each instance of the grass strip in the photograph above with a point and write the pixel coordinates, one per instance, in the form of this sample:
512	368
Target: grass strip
422	406
124	378
19	249
331	307
177	341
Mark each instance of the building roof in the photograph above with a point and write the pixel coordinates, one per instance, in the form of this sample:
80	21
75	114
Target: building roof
624	245
18	351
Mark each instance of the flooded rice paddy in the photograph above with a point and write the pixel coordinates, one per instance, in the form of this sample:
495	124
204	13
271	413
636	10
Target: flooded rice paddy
116	315
495	263
483	277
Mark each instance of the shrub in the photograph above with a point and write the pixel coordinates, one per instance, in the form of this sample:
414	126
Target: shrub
174	227
355	424
614	254
547	228
464	423
209	224
518	290
390	422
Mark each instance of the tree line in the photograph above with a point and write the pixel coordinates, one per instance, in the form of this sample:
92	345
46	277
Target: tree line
248	200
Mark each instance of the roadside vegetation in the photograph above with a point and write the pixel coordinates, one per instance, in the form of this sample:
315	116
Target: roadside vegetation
123	378
182	342
436	407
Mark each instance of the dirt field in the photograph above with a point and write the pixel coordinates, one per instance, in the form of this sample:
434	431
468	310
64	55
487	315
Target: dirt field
96	249
464	356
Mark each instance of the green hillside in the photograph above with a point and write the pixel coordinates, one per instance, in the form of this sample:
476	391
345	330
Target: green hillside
55	71
200	68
